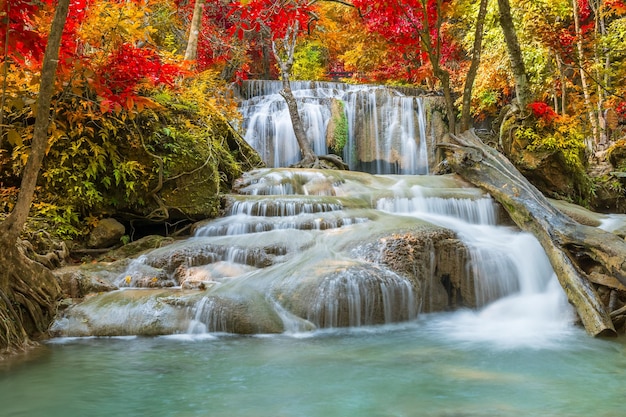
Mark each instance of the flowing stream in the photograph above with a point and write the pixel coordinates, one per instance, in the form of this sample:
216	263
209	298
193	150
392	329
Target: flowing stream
295	303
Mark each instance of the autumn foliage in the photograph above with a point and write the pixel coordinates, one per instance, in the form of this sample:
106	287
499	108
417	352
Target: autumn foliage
543	112
118	57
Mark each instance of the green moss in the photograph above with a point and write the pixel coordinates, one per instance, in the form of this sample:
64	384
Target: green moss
338	127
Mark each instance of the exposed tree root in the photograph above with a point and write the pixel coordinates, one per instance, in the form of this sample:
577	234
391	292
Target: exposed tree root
28	295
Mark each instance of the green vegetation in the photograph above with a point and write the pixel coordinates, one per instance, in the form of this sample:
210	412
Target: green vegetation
143	164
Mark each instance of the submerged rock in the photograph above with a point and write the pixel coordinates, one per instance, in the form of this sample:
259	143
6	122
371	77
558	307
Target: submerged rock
128	312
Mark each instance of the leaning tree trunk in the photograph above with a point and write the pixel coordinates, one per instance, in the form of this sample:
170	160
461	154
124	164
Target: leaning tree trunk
28	290
473	69
577	253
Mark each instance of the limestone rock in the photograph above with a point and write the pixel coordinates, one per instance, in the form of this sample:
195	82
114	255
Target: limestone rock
82	280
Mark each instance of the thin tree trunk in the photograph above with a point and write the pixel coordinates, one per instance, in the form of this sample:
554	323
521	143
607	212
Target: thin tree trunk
603	65
5	73
473	69
423	30
11	228
593	121
284	55
563	78
522	87
191	52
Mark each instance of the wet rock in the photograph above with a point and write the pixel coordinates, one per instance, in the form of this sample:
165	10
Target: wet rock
202	277
141	275
349	293
434	260
128	312
136	248
244	312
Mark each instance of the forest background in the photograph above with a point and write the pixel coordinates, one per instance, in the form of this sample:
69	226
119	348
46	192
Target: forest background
135	108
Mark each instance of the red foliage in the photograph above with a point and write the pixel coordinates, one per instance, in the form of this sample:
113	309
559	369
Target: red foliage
405	24
542	111
615	7
214	46
27	40
275	15
584	10
69	43
130	68
25	43
621	109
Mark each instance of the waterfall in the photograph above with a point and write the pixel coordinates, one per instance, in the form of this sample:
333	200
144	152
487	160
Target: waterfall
386	129
299	250
520	298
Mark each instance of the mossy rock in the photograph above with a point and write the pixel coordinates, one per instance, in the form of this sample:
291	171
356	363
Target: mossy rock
617	154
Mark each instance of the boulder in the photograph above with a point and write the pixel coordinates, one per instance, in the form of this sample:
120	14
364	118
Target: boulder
107	233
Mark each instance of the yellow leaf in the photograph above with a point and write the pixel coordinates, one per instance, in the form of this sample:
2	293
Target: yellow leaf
15	139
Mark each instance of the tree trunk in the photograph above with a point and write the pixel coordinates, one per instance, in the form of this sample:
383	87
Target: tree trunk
284	52
308	156
27	289
522	88
583	76
191	52
575	251
473	69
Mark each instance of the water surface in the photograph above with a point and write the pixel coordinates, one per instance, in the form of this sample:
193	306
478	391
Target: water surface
422	368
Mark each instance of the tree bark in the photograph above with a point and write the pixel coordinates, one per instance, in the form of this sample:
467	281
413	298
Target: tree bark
191	52
522	88
473	69
27	289
575	251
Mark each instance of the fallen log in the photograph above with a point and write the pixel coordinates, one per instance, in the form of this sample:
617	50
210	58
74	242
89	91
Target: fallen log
575	251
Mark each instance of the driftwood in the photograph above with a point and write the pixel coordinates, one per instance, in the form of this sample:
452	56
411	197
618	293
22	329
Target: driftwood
579	254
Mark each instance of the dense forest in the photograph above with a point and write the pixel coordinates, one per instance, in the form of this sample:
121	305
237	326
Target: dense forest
140	103
145	76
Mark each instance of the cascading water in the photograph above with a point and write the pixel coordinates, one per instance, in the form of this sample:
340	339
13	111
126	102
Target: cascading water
386	130
305	249
310	255
336	249
521	300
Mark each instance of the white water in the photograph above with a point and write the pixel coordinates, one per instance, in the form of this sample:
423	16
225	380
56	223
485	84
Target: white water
301	262
386	130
